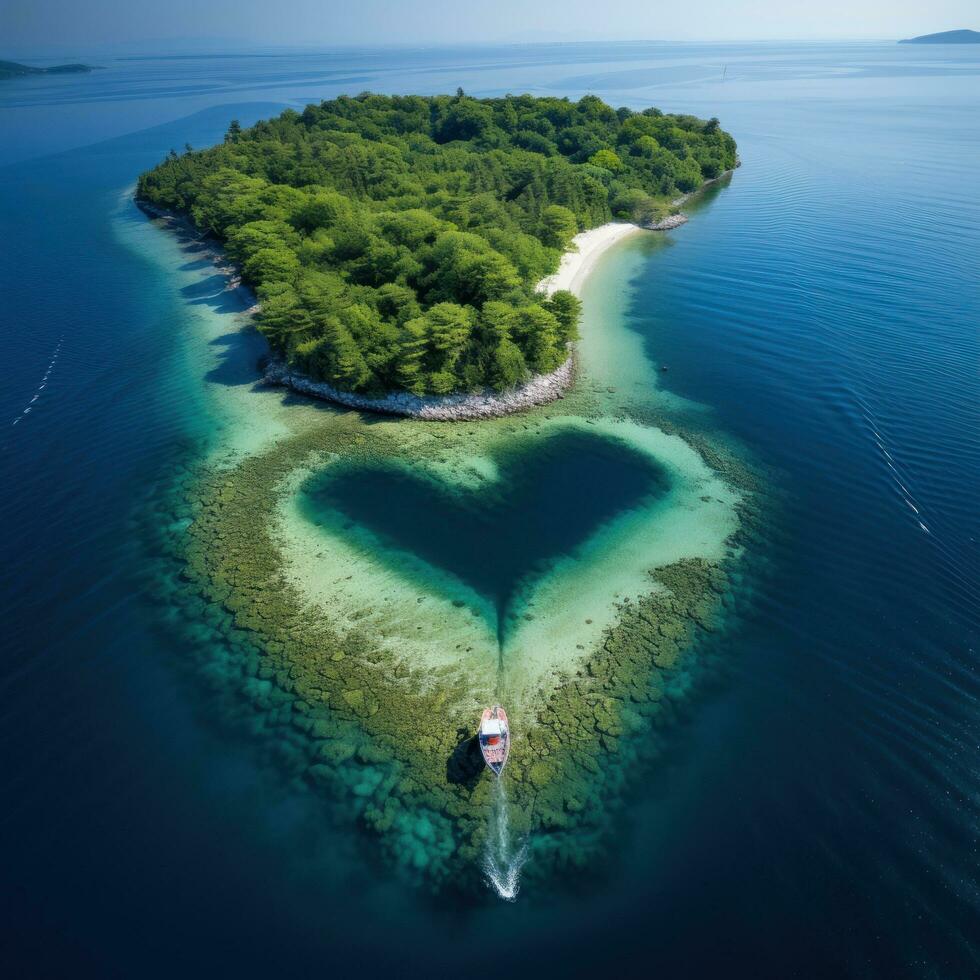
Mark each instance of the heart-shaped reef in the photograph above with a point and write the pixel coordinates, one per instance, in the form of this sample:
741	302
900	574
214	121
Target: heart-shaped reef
502	554
500	536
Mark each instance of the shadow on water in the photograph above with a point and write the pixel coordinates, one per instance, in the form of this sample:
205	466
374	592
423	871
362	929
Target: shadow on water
196	265
205	289
549	496
240	362
191	242
212	292
465	765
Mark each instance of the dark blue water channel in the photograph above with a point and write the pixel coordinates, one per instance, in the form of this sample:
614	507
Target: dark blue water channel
817	815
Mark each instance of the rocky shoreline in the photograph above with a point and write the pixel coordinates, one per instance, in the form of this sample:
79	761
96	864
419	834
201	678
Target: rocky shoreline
676	220
540	390
666	224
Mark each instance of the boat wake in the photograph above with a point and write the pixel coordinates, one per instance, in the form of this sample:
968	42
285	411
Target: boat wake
502	861
899	479
42	384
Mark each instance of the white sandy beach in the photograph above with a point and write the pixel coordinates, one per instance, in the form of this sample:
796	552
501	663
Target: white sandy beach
578	262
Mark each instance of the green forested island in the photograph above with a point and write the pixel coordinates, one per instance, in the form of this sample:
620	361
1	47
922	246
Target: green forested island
395	242
12	69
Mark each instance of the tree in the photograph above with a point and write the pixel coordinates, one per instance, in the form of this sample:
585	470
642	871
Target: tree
534	142
225	198
566	308
248	238
489	275
579	142
412	228
409	355
608	160
494	322
558	226
466	119
322	209
283	320
466	269
646	146
638	206
397	303
537	331
448	327
272	264
335	356
376	339
688	175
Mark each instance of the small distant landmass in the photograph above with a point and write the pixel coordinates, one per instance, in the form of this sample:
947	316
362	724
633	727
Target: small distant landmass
12	69
945	37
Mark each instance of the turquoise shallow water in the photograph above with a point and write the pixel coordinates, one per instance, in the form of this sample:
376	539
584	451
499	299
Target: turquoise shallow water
818	813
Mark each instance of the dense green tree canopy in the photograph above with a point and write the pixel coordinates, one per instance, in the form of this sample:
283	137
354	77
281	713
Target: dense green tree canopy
395	242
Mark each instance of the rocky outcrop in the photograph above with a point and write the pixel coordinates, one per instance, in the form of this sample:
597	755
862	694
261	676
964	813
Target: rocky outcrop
665	224
678	219
539	390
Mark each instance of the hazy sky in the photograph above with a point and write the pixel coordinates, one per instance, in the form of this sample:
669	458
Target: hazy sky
77	25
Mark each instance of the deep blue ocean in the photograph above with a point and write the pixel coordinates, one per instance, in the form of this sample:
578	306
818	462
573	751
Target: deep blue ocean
820	812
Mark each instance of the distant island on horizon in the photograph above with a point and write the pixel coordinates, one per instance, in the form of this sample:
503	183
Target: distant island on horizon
945	37
13	69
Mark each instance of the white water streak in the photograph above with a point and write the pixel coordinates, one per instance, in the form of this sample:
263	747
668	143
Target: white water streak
898	478
44	382
502	862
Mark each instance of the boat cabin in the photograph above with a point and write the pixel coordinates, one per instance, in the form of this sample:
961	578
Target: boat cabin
491	732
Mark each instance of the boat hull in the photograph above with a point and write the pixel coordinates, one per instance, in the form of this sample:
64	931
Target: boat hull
494	738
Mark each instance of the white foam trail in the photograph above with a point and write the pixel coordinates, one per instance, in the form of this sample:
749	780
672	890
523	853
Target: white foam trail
44	381
502	863
897	477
